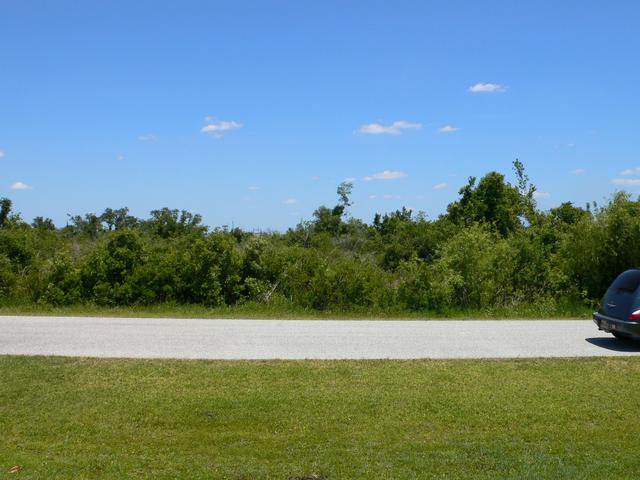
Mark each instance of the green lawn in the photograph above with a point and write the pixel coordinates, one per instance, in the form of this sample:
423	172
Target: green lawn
113	419
287	311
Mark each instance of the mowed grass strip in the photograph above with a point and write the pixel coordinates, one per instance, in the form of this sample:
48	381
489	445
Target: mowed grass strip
90	418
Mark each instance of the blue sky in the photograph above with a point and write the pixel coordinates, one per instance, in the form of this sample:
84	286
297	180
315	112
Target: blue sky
251	113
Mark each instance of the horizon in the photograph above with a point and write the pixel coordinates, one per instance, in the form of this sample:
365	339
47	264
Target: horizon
415	214
251	115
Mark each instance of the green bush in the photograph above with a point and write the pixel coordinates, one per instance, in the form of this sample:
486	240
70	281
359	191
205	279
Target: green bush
597	249
492	249
105	273
7	276
479	266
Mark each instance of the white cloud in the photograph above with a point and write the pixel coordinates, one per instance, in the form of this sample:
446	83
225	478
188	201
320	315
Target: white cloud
1	153
218	128
386	196
386	175
20	186
578	171
253	188
486	88
626	182
315	178
120	157
290	201
350	179
631	171
394	129
440	186
147	137
448	129
541	195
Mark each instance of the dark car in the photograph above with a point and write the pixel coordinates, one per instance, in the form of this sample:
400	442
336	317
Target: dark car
619	311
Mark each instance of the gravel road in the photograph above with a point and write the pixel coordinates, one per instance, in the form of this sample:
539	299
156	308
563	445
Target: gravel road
305	339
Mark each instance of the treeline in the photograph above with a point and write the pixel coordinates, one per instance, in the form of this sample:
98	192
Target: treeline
492	248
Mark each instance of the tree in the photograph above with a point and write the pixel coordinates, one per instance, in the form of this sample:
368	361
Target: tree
344	190
168	223
567	214
526	190
118	219
391	221
41	223
5	210
495	202
330	219
108	217
89	225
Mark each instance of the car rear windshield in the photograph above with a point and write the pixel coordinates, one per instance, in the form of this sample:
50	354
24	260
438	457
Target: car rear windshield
628	281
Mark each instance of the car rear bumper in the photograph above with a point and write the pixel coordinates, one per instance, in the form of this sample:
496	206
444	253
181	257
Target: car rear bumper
611	325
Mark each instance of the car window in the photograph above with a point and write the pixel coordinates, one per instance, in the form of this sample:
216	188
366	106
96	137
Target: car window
628	281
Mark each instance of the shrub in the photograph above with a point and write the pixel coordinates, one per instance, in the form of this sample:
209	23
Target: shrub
479	266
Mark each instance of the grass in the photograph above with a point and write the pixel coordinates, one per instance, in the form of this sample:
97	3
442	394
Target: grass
287	311
113	419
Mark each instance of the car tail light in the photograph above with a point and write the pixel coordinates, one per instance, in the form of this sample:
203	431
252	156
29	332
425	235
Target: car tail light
635	315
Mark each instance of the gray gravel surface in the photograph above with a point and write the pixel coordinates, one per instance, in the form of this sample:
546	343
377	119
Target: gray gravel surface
305	339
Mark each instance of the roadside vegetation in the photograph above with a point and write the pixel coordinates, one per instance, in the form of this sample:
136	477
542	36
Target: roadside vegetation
481	419
286	311
493	251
